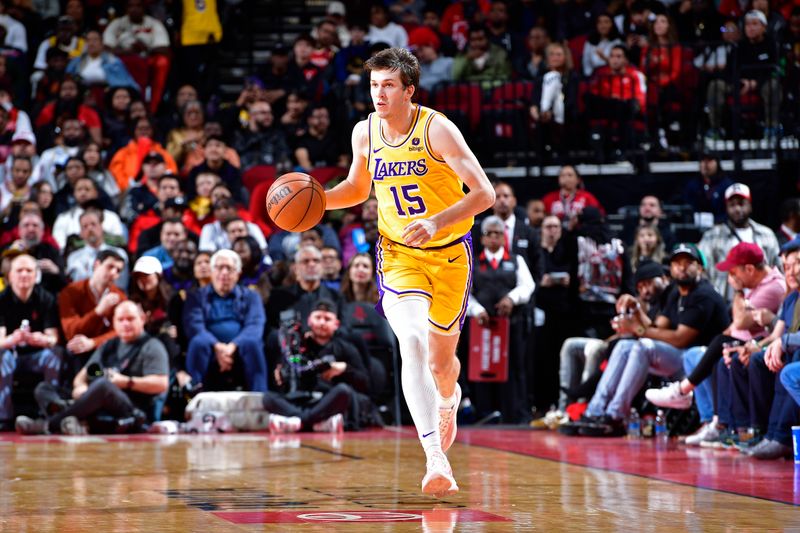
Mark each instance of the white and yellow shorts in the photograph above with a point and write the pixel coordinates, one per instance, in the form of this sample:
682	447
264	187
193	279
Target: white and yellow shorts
442	275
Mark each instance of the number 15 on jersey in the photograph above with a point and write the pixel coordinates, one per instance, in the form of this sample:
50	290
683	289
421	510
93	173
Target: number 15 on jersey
407	202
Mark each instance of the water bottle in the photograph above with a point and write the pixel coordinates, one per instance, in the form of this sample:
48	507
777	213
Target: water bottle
662	433
634	425
25	327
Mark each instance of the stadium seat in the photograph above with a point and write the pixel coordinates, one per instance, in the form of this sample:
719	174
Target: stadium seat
258	174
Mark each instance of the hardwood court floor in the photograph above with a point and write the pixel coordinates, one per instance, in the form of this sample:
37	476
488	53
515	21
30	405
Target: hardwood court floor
510	481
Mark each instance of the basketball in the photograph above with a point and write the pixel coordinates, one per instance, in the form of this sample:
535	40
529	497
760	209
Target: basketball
296	202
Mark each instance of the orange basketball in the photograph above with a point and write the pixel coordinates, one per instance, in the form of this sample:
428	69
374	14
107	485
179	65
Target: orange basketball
296	202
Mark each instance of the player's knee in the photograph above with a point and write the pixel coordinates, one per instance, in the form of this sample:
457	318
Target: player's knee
413	343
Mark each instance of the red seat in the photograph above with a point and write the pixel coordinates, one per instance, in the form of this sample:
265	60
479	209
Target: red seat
258	207
258	174
575	46
326	174
513	92
464	98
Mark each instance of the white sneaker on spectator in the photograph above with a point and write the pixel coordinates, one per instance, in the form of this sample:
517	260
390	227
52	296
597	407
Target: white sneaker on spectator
26	425
708	432
284	424
439	479
447	421
72	426
333	424
670	396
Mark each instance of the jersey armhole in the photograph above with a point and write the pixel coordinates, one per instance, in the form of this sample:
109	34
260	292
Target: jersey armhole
369	140
427	137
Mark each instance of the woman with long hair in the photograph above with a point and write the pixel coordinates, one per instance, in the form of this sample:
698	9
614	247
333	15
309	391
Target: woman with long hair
116	125
255	273
358	283
95	168
42	193
661	61
599	44
556	98
648	244
184	139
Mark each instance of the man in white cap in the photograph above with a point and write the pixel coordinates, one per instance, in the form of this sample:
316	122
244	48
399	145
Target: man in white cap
757	61
336	13
739	227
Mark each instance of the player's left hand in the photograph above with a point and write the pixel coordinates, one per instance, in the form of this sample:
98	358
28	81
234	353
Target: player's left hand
419	232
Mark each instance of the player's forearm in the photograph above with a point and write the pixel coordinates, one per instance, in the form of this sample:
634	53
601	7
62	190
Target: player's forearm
475	202
346	194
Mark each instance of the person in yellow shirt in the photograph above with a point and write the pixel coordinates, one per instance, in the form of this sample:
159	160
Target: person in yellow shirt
418	162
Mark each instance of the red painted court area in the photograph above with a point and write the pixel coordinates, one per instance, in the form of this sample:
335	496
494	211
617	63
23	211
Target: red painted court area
721	470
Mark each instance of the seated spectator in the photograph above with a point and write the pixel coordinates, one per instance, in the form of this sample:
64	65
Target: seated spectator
757	60
599	44
766	288
68	223
293	121
648	245
151	291
197	156
261	143
307	76
302	294
23	144
326	46
142	43
16	187
127	162
331	267
571	198
92	156
68	103
348	65
200	205
706	192
482	61
172	232
458	18
28	332
115	117
85	307
255	272
383	30
717	241
535	215
692	316
180	276
433	68
291	411
42	195
75	169
336	13
184	139
224	321
556	97
279	77
72	135
581	357
650	214
142	195
80	262
214	236
66	39
215	162
320	146
662	63
50	78
16	36
96	67
133	371
48	259
533	64
358	284
352	236
616	98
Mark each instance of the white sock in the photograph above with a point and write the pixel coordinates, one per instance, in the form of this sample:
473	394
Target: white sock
447	403
409	319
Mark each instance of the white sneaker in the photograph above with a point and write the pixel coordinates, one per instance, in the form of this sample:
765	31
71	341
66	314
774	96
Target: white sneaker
333	424
447	422
708	432
439	479
279	425
670	396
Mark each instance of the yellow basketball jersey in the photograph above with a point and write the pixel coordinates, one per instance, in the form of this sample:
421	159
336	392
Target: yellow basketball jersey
410	182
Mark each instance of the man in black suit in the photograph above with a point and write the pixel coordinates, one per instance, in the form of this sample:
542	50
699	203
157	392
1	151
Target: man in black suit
519	237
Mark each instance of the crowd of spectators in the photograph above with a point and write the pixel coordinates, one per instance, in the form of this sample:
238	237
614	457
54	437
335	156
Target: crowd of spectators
135	272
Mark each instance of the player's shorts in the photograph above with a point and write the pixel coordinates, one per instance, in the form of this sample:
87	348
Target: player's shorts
442	275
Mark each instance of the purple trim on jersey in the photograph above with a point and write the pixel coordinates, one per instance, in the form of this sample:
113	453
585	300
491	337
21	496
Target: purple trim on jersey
369	140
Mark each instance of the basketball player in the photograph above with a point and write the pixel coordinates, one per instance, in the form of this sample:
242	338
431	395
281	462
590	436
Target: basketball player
417	160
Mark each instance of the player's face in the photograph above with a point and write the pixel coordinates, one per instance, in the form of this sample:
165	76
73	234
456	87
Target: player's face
388	94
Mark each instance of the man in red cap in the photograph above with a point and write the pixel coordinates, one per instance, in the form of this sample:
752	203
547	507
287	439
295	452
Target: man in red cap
739	228
433	68
758	293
